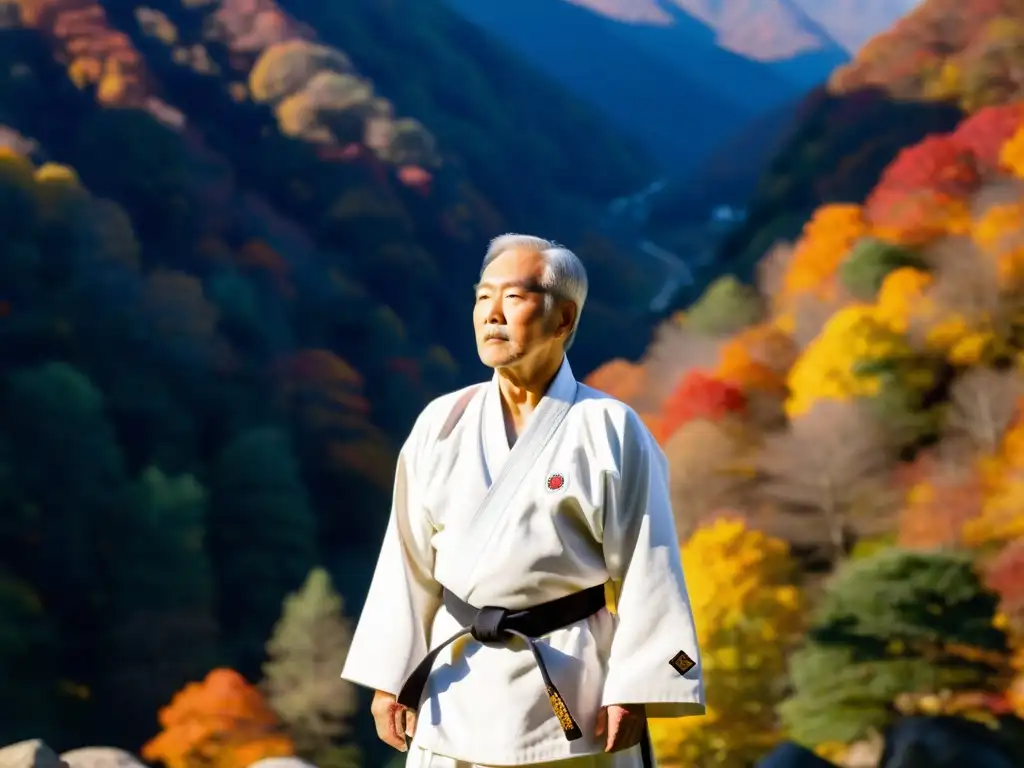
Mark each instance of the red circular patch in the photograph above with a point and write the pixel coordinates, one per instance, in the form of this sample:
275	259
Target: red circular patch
555	482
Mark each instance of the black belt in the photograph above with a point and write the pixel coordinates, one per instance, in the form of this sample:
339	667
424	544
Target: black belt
499	625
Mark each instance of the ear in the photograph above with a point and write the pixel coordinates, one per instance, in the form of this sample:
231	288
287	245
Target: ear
566	316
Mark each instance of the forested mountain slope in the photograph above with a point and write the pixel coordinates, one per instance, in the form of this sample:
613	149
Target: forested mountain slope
844	432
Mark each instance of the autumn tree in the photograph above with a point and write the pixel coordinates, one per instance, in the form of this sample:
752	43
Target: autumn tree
757	359
748	613
222	722
711	470
868	264
986	131
1004	575
963	316
983	404
699	396
937	507
284	68
262	537
826	241
725	307
897	622
305	655
674	352
622	379
859	355
828	475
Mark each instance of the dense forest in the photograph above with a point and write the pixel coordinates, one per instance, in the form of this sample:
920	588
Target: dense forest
231	251
843	434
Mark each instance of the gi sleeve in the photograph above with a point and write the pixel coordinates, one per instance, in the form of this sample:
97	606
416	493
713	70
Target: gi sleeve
654	658
393	631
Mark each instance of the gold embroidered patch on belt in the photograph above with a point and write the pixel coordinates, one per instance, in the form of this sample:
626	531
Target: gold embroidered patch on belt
682	663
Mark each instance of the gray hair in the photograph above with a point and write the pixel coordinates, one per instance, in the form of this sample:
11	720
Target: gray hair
565	277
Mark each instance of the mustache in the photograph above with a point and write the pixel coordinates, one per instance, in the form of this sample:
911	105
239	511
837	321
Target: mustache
496	332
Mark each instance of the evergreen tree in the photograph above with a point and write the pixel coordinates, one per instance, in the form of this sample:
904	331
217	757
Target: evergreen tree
891	623
262	539
303	684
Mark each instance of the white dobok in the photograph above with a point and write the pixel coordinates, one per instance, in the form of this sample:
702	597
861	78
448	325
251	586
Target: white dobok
580	500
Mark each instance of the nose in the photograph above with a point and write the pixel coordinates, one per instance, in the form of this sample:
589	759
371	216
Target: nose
494	313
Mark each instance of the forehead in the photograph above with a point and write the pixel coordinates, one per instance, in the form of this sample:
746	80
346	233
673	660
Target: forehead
518	265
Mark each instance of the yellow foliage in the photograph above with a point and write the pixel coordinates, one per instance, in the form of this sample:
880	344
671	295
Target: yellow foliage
747	613
947	83
756	358
827	239
15	167
113	85
853	338
1001	519
54	173
1011	157
85	70
999	232
963	342
900	296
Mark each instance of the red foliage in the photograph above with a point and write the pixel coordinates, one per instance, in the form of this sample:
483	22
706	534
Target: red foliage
699	396
985	132
939	164
1005	577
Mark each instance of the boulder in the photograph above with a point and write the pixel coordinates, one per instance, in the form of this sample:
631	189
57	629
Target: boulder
101	757
33	753
282	762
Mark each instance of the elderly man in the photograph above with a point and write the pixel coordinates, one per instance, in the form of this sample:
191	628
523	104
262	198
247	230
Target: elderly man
528	605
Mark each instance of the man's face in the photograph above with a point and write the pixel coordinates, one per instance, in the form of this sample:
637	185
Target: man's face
509	317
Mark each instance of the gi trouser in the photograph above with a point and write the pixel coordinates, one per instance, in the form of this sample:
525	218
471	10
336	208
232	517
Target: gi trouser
628	758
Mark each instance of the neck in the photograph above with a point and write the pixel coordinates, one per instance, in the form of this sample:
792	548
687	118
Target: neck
523	388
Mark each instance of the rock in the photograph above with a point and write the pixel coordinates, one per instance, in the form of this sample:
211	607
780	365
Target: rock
33	753
100	757
863	754
282	762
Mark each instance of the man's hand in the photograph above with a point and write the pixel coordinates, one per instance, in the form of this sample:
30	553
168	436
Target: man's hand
622	725
393	721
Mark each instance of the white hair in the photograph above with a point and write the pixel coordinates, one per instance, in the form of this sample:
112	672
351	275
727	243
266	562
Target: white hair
565	277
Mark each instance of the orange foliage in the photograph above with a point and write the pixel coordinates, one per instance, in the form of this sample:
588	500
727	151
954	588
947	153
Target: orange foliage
757	358
1005	576
327	396
826	240
222	722
98	53
937	509
699	396
619	378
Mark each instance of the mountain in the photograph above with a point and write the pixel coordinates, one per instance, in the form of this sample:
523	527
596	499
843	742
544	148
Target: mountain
670	85
940	62
767	30
683	76
238	238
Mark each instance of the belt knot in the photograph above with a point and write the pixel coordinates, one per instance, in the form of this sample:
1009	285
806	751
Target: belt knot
489	625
